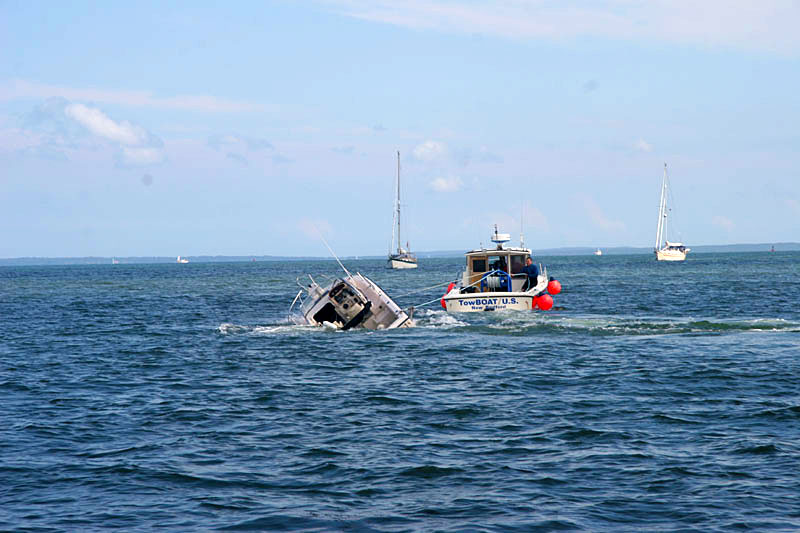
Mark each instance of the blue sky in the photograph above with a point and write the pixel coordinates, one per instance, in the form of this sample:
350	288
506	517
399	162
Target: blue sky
188	128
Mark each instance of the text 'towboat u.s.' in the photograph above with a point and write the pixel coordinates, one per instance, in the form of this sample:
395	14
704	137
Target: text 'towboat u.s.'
495	279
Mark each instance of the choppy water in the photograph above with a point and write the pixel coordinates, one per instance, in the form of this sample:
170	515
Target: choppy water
657	397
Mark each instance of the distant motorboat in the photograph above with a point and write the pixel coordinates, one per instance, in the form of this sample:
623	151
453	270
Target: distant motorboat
114	261
668	251
182	260
598	252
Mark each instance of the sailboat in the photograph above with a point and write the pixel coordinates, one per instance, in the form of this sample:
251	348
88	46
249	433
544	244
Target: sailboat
402	258
668	251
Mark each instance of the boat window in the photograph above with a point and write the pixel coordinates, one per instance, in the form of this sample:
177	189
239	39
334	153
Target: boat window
498	262
479	265
517	262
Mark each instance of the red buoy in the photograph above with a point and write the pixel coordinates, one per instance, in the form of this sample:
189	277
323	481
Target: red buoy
554	287
545	302
449	288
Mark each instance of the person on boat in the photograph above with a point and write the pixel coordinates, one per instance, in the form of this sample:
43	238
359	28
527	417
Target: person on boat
533	274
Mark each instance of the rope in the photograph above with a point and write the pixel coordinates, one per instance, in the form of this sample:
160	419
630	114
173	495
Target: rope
426	288
470	285
440	297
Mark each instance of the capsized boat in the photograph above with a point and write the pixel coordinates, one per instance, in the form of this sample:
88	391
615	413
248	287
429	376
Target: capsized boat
669	251
353	301
493	279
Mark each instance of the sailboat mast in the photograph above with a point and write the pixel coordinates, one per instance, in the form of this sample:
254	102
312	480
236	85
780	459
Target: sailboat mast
662	209
399	240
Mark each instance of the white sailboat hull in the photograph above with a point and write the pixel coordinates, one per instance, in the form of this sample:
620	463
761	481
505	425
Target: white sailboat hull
401	264
671	255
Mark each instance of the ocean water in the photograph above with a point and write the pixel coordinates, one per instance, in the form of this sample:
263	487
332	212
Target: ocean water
654	397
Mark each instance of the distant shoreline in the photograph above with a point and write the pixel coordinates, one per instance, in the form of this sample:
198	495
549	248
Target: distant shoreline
564	251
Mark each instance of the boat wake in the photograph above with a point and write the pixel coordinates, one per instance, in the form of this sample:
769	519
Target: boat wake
270	329
514	323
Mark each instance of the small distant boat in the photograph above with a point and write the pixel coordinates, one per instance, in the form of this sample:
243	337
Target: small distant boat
668	251
182	260
494	280
598	252
772	249
114	261
402	258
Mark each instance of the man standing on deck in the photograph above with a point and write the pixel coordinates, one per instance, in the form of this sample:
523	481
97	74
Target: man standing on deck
533	273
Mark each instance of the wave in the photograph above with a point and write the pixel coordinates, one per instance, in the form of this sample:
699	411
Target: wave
521	323
227	328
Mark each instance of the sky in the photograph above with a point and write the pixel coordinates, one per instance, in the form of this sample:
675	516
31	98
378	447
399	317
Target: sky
196	128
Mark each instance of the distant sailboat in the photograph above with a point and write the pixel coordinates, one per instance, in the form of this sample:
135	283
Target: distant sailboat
114	261
402	258
668	251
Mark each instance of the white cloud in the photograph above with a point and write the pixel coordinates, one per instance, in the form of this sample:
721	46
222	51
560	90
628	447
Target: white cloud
643	146
723	222
429	150
764	25
101	125
452	184
67	123
598	217
25	90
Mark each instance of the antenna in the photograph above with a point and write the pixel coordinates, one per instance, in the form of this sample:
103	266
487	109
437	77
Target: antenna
331	250
521	226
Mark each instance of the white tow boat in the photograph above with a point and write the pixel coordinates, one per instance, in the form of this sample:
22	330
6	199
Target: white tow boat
494	280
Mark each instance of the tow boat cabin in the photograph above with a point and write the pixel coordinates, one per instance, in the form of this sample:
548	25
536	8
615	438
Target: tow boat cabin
497	270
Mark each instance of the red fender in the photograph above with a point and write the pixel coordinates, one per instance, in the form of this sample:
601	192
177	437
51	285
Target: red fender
449	288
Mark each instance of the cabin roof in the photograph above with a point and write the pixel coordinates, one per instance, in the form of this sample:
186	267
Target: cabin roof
506	250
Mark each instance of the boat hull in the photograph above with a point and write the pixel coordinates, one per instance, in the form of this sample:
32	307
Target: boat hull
670	255
495	301
402	264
